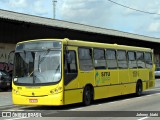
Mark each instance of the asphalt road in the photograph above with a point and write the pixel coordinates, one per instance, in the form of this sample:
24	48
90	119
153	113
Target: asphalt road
117	108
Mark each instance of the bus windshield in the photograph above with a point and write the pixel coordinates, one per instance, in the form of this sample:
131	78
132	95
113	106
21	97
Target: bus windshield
37	67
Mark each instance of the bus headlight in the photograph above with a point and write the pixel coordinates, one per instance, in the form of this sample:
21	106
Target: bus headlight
15	91
57	90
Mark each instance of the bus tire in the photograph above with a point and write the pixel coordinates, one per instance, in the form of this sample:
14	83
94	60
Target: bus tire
139	88
87	96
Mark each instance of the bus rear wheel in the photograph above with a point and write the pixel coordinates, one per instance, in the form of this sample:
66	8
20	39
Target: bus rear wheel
139	88
87	95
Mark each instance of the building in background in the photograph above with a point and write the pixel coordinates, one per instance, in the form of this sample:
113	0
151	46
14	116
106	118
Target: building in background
16	27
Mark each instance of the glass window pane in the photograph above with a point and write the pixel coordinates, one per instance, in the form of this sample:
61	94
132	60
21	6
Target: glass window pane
99	59
140	60
111	54
122	59
148	60
85	53
85	59
111	59
121	55
73	67
131	56
99	54
132	62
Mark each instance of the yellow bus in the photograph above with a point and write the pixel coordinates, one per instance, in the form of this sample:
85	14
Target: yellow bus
62	71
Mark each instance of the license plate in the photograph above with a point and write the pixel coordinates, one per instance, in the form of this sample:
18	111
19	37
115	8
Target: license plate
8	84
33	100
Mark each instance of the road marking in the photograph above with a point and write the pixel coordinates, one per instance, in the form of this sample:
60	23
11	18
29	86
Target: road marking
77	108
117	101
143	118
17	118
126	99
21	107
82	107
15	110
136	97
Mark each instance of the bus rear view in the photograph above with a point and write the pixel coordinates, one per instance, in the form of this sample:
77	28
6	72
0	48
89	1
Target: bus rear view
37	76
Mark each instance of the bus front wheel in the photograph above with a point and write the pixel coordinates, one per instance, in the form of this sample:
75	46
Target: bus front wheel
87	96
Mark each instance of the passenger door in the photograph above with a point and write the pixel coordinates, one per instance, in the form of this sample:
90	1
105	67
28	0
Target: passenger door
70	76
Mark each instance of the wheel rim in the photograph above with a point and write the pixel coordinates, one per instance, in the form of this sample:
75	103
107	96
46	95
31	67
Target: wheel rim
87	96
139	89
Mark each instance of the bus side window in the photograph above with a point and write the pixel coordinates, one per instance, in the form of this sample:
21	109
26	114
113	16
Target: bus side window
85	59
99	59
122	59
148	60
132	60
111	59
140	60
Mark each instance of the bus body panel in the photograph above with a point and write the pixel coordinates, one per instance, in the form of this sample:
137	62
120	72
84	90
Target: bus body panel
73	96
123	76
86	77
23	95
45	100
129	88
133	75
107	91
143	74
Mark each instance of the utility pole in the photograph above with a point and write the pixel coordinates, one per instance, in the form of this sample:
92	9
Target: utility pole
54	9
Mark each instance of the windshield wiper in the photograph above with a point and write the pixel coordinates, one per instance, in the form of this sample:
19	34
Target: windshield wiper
42	59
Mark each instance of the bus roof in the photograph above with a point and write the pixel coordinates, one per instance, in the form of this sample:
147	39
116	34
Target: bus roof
105	45
92	44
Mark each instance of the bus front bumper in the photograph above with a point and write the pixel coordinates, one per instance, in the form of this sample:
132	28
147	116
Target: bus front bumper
48	100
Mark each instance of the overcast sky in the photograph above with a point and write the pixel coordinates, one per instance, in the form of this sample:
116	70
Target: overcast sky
99	13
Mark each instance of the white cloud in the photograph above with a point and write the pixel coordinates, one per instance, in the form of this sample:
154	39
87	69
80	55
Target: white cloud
154	27
91	12
39	8
18	3
33	7
100	13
